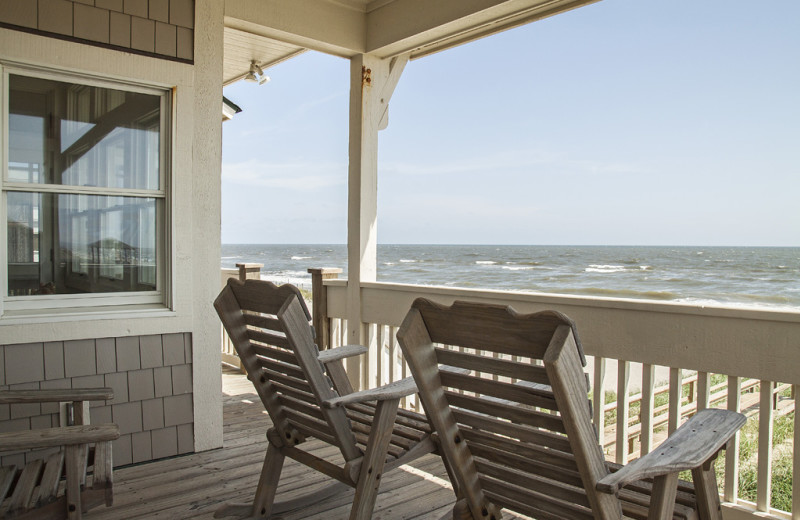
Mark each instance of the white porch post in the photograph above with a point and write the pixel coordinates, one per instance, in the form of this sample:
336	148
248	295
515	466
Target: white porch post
372	82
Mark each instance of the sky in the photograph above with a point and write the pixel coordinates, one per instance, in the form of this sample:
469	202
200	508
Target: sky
626	122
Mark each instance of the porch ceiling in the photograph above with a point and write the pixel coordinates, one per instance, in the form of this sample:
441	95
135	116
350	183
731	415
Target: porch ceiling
241	48
270	31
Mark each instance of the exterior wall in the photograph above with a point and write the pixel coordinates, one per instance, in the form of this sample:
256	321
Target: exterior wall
158	27
152	381
193	236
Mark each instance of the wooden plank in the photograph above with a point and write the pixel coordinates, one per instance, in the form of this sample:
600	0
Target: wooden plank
663	502
502	446
765	427
48	488
263	322
599	399
494	409
694	443
675	397
731	490
7	476
499	367
796	458
519	476
418	350
532	503
280	367
703	390
23	490
54	437
525	433
500	328
300	406
623	410
270	352
298	332
310	426
55	395
265	297
564	369
646	408
374	459
103	471
518	393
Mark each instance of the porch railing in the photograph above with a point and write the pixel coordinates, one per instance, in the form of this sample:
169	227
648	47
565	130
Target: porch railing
651	365
655	363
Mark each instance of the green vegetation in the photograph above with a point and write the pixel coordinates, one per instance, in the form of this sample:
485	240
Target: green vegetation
783	431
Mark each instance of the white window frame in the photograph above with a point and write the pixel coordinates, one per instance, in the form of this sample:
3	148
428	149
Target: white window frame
90	303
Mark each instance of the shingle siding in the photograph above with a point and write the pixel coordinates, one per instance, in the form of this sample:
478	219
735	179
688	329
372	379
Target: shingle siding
152	381
163	28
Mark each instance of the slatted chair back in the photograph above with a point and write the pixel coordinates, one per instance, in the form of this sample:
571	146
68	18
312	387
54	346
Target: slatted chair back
482	381
290	381
507	395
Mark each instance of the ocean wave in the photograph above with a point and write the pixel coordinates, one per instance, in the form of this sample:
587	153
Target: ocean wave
407	261
302	257
485	262
518	267
604	268
622	293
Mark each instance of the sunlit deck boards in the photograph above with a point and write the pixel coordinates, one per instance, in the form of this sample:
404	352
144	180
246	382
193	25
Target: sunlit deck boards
194	486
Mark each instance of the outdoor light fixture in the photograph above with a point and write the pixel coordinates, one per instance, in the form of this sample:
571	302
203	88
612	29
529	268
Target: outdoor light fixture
256	74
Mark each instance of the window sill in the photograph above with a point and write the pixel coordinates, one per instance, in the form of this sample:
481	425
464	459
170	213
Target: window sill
109	312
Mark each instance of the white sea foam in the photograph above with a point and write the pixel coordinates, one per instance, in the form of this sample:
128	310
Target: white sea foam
485	262
604	268
301	257
518	268
406	261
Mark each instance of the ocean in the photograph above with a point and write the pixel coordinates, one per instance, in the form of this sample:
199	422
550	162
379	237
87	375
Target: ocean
765	277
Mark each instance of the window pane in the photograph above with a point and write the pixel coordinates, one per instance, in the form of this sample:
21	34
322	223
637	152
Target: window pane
78	135
68	244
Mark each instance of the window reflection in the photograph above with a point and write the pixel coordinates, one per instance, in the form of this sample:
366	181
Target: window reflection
79	135
67	244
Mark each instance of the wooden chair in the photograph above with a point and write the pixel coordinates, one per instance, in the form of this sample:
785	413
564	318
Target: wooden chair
35	490
515	423
307	394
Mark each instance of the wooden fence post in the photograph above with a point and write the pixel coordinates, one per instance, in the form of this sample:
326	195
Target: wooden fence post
319	303
249	271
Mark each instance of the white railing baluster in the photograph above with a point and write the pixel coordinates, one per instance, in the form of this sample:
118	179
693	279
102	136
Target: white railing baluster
371	373
647	408
675	398
764	446
393	354
599	397
379	359
732	452
623	400
703	391
796	456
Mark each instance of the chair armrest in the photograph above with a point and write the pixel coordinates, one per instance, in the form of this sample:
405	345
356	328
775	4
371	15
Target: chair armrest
346	351
55	395
699	439
396	390
50	437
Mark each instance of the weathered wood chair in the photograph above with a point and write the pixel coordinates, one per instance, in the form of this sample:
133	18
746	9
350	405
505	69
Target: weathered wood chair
307	394
36	490
517	431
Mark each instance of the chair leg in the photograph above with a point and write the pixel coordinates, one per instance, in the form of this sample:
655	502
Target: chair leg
268	482
374	459
705	487
662	503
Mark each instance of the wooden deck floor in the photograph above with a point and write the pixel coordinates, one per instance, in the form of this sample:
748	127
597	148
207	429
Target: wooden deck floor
194	486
